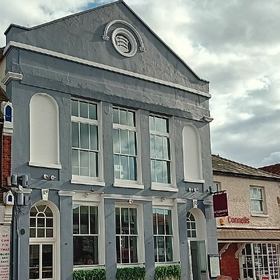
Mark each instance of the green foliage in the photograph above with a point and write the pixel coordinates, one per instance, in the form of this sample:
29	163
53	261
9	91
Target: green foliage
131	273
168	272
94	274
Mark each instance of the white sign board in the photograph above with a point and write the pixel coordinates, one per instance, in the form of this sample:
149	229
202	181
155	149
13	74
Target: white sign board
4	252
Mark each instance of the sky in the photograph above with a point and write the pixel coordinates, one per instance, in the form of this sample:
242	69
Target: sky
233	44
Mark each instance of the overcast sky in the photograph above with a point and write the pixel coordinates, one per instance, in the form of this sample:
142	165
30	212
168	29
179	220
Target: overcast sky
233	44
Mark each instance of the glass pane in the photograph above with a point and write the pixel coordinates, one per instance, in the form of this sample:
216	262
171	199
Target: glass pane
116	118
125	249
130	119
256	206
165	148
49	222
155	221
152	146
151	123
118	221
132	169
41	232
93	164
153	170
202	255
159	147
118	249
33	261
33	222
47	261
84	136
161	124
155	249
169	250
41	208
32	232
124	172
123	117
160	220
159	175
74	107
75	219
168	222
93	138
85	250
117	167
49	232
33	212
83	110
41	222
84	158
75	134
161	251
75	162
132	143
93	111
166	172
133	249
93	219
48	212
124	221
124	141
84	220
116	141
133	220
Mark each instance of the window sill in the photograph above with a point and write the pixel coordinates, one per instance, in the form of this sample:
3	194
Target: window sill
128	184
167	263
45	165
163	187
199	181
86	181
121	265
88	267
261	215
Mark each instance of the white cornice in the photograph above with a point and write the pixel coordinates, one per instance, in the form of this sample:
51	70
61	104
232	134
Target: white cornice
102	66
11	76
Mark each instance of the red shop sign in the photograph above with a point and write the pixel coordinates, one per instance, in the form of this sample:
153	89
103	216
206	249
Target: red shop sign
220	205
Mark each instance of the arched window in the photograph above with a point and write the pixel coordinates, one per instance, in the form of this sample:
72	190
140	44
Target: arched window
8	114
191	154
44	131
191	225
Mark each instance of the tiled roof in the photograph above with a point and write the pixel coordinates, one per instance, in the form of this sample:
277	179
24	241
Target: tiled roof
275	169
222	166
227	234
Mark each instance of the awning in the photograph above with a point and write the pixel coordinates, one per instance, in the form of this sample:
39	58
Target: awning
245	235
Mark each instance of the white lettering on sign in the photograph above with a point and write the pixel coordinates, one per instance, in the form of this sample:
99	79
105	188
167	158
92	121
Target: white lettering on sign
4	252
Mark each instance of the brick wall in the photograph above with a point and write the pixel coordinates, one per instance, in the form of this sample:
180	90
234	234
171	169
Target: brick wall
229	264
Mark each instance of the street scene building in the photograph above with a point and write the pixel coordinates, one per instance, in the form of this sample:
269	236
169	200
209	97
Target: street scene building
110	153
249	237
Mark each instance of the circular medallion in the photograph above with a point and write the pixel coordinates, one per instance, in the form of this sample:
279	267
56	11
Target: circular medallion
124	42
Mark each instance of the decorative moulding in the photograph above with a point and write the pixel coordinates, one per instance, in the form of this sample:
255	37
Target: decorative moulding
12	76
123	40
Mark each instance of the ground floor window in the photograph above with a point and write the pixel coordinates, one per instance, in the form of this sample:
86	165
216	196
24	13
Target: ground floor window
85	234
163	235
259	260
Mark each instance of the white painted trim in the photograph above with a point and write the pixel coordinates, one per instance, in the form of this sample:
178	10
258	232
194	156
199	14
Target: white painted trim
12	76
127	197
127	184
194	181
46	165
163	187
86	181
103	67
66	193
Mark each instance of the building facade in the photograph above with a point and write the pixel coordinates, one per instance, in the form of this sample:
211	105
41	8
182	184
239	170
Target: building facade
111	160
249	237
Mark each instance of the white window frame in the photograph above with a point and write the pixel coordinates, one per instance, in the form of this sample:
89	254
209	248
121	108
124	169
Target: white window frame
172	185
169	204
138	182
140	239
262	200
91	199
87	180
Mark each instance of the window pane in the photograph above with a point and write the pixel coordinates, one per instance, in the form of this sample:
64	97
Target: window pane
153	170
32	232
133	249
93	164
159	147
256	206
151	123
161	251
125	249
85	250
83	110
130	118
123	117
152	146
32	222
124	168
47	261
75	219
75	134
41	222
33	261
169	250
75	162
116	118
118	248
124	141
132	143
168	222
93	138
118	221
133	220
116	141
132	168
165	148
93	111
84	136
159	175
49	222
40	232
84	158
74	107
155	221
124	221
160	218
155	249
117	166
84	220
166	172
94	219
